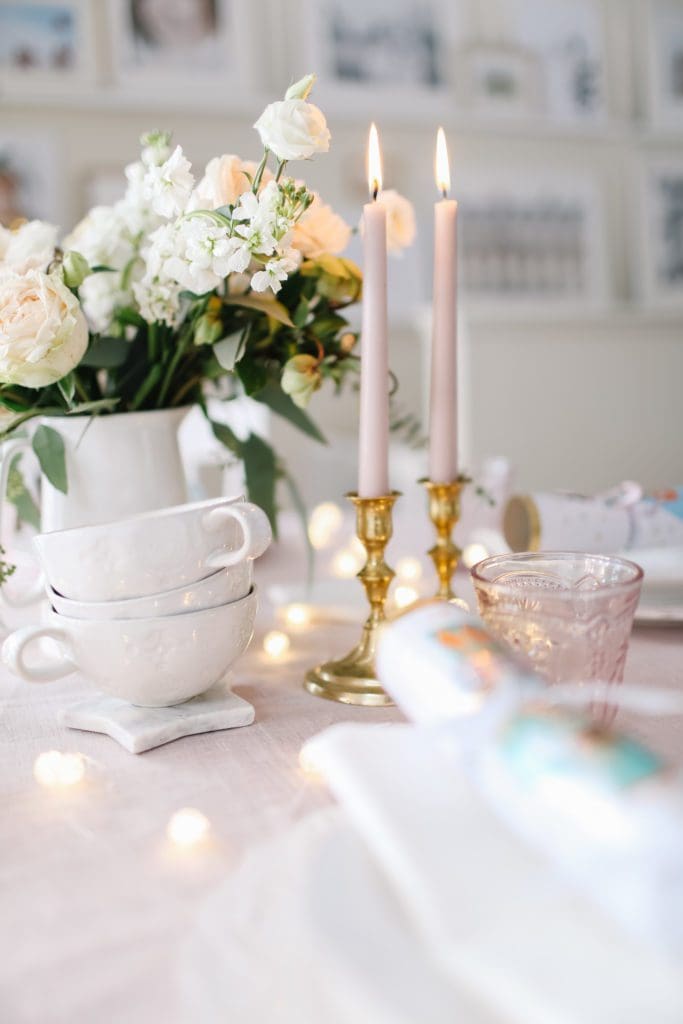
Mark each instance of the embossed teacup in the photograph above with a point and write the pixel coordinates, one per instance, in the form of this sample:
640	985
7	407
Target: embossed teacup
153	552
221	587
154	662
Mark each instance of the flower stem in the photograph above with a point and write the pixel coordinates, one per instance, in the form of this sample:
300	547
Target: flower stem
259	172
280	168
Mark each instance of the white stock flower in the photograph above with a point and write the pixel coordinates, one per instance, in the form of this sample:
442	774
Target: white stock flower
43	333
320	230
101	238
225	180
276	271
293	129
401	228
100	295
28	247
169	186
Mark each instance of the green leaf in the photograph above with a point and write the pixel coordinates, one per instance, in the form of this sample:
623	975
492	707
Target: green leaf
300	507
227	437
19	495
275	398
301	314
49	447
67	388
263	304
229	350
260	469
129	316
106	353
253	375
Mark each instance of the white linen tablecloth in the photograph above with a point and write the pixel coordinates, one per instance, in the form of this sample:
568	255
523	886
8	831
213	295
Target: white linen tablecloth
95	903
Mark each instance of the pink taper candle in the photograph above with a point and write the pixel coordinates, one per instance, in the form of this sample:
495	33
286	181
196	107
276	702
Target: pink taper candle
443	412
373	454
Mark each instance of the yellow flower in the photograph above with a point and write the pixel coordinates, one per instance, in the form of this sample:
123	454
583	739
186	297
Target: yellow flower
300	378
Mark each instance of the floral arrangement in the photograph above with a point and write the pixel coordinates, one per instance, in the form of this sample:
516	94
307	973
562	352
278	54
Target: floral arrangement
183	290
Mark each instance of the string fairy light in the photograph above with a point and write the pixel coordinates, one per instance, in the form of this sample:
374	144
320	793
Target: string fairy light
188	827
276	644
57	770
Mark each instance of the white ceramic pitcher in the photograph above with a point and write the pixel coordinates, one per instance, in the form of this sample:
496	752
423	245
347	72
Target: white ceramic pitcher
117	465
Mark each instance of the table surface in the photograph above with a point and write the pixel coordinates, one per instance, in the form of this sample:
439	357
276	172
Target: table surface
96	902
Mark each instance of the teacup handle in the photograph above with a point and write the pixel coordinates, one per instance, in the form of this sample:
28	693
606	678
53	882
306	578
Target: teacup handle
37	591
16	643
255	528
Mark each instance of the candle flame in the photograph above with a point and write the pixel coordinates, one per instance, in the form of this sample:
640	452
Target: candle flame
442	171
374	162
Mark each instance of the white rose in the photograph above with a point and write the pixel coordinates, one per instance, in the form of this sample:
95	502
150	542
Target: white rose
401	227
320	230
224	182
293	129
43	333
30	246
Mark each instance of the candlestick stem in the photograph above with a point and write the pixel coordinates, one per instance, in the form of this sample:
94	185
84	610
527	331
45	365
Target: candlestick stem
352	679
444	512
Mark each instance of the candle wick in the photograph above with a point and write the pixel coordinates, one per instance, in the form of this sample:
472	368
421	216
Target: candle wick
375	192
444	192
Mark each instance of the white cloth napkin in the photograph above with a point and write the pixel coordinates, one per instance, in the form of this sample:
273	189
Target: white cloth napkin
490	911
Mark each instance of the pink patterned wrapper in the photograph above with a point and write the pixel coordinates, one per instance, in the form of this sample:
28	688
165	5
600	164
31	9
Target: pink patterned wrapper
620	520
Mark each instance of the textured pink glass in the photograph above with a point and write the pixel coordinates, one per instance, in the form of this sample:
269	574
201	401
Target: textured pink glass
571	614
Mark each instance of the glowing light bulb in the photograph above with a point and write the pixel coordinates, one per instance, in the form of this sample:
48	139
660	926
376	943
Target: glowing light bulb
473	553
405	596
276	644
56	770
188	827
298	615
345	564
324	522
408	569
308	764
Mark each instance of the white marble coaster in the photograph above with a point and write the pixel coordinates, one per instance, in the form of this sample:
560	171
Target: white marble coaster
140	729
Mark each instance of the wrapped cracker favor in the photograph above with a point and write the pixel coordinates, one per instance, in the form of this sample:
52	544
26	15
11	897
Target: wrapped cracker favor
620	520
603	807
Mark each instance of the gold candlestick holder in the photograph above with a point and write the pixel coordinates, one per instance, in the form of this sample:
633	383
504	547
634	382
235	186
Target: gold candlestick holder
352	679
444	512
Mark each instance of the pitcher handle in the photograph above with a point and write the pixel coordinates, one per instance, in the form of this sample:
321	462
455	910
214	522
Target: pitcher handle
36	592
256	531
16	643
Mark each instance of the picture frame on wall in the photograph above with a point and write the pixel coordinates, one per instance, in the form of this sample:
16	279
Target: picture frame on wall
182	48
660	268
397	51
532	242
664	20
46	47
534	57
30	181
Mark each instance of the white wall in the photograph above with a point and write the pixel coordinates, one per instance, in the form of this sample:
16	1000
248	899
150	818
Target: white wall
576	400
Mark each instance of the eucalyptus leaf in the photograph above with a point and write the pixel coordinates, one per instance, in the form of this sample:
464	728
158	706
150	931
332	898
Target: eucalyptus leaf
227	437
260	469
275	398
300	507
19	495
229	350
106	353
49	448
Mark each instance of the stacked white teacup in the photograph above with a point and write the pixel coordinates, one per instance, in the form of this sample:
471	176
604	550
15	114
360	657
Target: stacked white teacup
153	609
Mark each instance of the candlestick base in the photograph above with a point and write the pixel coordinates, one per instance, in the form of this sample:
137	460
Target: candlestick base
352	679
444	512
